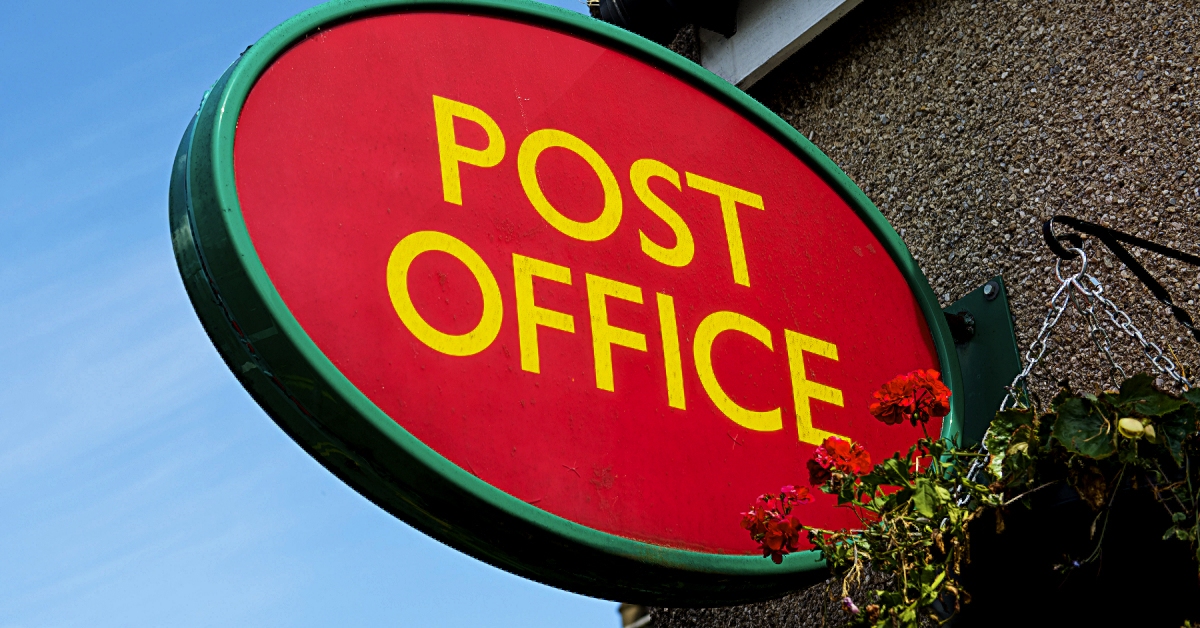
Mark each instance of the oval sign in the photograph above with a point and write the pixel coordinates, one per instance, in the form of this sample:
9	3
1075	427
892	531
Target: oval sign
546	291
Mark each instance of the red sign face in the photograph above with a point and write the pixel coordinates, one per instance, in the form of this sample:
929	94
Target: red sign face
578	277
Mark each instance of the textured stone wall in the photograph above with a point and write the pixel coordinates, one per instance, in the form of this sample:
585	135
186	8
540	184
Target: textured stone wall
969	123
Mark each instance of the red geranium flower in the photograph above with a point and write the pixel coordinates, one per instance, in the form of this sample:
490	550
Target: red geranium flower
817	474
837	455
773	524
918	396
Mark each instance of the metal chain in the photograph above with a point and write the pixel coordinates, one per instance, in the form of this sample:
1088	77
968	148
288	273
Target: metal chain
1096	331
1039	346
1072	286
1153	352
1037	350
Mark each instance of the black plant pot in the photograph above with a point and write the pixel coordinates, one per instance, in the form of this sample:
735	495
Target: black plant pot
1139	580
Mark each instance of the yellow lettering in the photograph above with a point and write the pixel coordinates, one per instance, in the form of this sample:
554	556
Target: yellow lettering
529	315
399	262
527	156
706	333
730	198
451	153
803	389
670	342
604	336
685	248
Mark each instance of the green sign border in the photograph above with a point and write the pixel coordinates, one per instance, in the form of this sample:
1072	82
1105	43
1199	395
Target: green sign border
282	368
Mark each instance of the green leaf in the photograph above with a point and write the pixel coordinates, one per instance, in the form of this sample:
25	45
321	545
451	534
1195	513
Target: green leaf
1138	395
891	472
1045	427
1083	430
928	498
1020	456
1128	454
1001	433
1064	393
1174	428
890	501
1193	396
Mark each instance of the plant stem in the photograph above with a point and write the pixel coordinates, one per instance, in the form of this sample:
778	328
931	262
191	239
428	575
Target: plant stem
1031	491
1106	513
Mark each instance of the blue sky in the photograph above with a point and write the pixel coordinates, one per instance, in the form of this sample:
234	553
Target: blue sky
140	485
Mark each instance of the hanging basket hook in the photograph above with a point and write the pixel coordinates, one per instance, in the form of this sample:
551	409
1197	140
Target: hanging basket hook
1055	242
1074	252
1116	242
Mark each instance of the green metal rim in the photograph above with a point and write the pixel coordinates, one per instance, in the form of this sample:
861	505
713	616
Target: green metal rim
225	107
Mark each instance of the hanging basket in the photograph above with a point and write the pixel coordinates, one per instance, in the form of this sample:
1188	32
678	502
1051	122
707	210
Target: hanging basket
1139	580
1083	511
1032	553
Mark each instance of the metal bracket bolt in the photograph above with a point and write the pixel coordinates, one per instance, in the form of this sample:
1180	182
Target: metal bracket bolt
991	290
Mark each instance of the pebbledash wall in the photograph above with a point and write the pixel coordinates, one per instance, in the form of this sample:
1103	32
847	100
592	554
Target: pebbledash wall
969	123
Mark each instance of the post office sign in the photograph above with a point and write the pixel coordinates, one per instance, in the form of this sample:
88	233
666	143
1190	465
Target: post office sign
544	290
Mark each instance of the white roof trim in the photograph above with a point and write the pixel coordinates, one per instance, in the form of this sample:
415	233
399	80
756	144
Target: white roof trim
768	31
